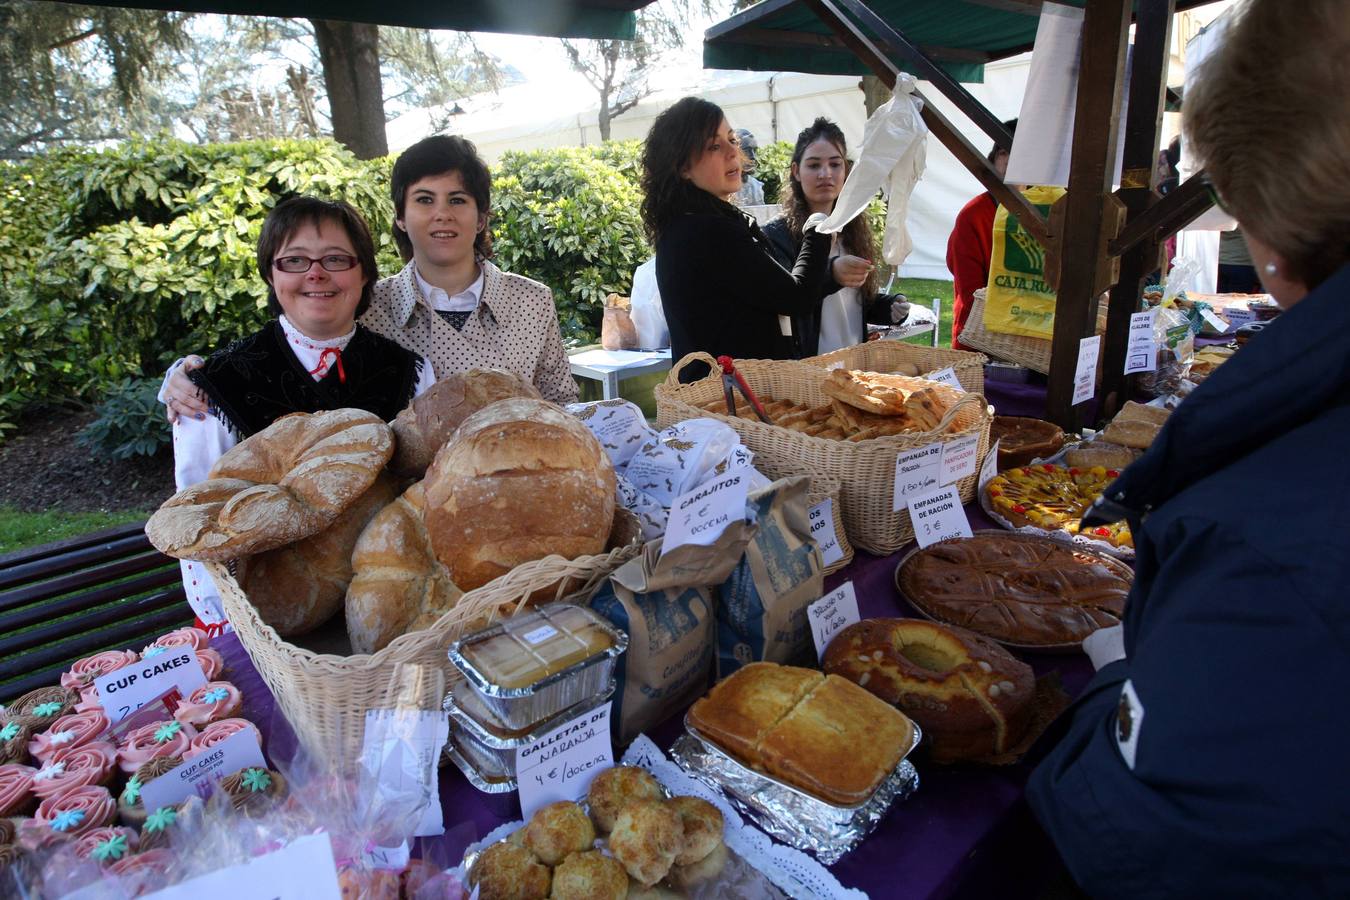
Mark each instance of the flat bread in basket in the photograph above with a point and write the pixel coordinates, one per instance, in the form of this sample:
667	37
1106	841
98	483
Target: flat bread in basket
865	469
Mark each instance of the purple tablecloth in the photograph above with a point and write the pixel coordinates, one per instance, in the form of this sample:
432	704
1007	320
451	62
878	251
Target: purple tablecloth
965	832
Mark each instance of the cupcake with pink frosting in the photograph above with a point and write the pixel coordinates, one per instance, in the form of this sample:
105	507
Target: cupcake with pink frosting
182	637
83	673
212	663
218	731
92	764
146	870
153	741
16	789
89	701
211	702
107	845
77	811
68	733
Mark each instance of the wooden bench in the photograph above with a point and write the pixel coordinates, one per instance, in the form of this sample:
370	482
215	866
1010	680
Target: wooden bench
107	590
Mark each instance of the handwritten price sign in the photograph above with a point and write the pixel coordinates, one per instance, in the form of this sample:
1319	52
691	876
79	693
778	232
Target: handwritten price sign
831	614
561	764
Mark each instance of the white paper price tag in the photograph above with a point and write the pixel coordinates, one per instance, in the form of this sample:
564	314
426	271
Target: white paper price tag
302	870
198	775
831	614
127	689
989	468
945	376
1085	373
938	515
958	459
822	532
1238	316
402	748
701	515
916	471
1214	321
1141	353
561	764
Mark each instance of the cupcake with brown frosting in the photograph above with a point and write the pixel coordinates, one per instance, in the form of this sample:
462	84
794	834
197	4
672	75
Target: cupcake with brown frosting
130	806
42	707
153	741
253	790
14	739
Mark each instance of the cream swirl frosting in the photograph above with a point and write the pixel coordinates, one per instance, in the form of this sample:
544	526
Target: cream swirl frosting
16	787
86	670
77	811
218	731
91	764
68	733
182	637
153	741
213	701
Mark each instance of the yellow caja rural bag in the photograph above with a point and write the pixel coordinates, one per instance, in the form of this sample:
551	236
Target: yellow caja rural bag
1017	299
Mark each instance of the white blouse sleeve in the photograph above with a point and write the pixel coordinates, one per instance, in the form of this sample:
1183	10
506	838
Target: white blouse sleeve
197	444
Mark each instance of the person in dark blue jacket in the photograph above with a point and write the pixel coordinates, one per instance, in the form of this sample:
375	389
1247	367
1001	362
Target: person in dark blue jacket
1208	757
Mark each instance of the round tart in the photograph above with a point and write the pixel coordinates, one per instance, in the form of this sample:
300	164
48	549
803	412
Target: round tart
1018	589
1020	440
1053	498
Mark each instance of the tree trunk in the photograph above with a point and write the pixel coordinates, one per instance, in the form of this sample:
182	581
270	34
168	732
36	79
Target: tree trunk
875	93
350	53
602	117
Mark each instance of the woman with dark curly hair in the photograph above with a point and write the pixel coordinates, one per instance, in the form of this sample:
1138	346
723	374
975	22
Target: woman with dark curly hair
820	164
722	290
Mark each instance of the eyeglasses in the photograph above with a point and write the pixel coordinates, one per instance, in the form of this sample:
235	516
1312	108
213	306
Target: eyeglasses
334	262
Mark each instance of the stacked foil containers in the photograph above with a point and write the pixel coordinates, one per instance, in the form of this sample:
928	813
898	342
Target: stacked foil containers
521	678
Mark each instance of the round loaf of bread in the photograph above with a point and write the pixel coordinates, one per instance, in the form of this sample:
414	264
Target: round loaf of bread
971	698
299	587
398	585
285	483
428	422
520	480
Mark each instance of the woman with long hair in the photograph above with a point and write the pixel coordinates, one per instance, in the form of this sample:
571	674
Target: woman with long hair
820	164
722	290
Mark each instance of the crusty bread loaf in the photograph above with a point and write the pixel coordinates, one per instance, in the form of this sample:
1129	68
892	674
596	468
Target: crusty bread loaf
520	480
398	584
299	587
971	697
285	483
427	423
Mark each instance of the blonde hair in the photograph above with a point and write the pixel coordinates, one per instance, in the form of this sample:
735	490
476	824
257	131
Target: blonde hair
1268	115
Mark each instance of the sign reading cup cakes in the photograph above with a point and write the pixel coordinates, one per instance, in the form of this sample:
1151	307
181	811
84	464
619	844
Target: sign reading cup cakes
125	690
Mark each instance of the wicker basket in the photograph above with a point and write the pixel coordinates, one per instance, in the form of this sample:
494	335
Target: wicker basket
1034	353
865	470
825	487
325	697
888	356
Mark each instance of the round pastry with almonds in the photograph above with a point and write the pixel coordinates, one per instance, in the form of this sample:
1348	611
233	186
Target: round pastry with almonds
1018	589
1054	498
971	698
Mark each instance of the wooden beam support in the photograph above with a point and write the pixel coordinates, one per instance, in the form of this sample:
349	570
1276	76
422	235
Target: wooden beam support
1106	25
975	162
1143	122
1168	216
777	37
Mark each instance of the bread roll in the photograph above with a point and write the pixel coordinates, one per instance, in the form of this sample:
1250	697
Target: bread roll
285	483
297	588
647	837
615	788
520	480
557	830
428	422
398	585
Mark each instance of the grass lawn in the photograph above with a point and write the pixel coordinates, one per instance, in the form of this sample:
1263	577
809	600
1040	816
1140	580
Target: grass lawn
27	529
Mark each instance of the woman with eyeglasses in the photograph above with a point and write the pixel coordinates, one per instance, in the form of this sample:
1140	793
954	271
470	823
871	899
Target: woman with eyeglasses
318	260
1207	758
722	290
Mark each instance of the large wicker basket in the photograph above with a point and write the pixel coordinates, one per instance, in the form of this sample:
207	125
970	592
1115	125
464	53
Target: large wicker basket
865	470
1034	353
888	356
325	697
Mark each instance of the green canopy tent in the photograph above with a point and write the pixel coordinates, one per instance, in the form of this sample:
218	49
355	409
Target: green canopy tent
948	41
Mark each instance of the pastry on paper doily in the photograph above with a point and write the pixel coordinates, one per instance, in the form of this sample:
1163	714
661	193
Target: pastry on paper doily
558	829
615	788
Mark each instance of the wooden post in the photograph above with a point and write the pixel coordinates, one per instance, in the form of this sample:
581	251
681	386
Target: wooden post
1083	263
1143	122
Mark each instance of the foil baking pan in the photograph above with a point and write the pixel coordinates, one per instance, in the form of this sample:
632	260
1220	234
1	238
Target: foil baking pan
786	812
521	707
488	744
499	794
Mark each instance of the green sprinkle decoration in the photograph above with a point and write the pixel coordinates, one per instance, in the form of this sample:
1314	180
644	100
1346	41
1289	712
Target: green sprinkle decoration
46	710
9	732
167	732
256	780
113	848
161	819
131	794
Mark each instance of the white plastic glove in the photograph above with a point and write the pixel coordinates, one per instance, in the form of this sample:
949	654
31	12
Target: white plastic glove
1105	645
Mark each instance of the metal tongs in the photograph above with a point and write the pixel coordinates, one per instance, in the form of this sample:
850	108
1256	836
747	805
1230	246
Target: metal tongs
733	379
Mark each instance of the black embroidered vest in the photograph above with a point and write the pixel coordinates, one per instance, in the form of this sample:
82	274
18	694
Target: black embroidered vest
258	379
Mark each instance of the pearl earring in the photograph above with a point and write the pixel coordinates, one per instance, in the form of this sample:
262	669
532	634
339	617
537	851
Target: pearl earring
1271	269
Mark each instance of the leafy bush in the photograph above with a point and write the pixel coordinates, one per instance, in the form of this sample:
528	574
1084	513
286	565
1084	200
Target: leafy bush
774	161
570	220
130	421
